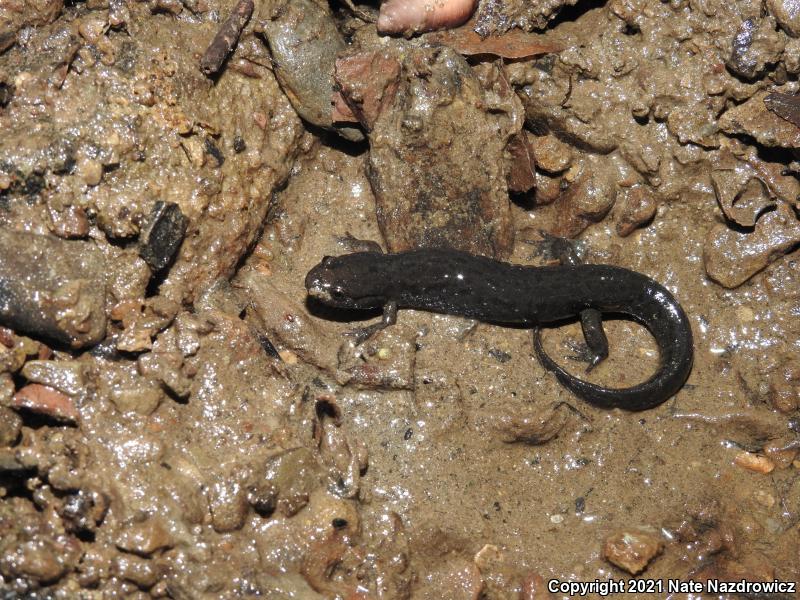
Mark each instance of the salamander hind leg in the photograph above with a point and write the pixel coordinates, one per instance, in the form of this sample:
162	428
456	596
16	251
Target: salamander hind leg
352	244
594	349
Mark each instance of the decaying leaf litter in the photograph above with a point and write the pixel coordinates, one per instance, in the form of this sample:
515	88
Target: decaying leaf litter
175	422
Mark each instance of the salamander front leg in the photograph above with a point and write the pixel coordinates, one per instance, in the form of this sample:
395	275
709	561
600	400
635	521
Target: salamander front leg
362	334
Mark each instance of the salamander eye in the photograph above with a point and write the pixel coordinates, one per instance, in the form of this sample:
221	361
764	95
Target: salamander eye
337	293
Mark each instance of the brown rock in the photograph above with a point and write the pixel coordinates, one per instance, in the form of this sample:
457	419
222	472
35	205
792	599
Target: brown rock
741	194
10	426
754	462
52	288
369	82
304	43
228	503
753	118
521	163
45	400
65	376
787	13
732	257
145	538
436	166
632	549
637	208
136	569
552	155
71	222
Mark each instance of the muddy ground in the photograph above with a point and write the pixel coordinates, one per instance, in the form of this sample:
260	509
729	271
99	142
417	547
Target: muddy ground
176	421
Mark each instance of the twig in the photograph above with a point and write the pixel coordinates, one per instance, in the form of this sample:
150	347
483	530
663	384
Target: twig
226	37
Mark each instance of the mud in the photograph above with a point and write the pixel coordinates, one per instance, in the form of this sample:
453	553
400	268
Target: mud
199	430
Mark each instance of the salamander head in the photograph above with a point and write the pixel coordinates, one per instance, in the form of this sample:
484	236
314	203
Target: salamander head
345	282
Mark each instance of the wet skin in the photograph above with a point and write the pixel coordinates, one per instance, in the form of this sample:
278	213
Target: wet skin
458	283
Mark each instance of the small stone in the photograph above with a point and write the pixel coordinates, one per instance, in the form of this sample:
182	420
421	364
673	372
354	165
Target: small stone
764	498
92	27
143	399
145	538
638	207
754	119
135	339
741	194
65	376
162	235
70	223
39	559
287	356
632	549
45	400
754	462
228	504
52	288
521	163
756	44
90	171
785	396
732	257
136	569
552	155
787	13
10	426
6	389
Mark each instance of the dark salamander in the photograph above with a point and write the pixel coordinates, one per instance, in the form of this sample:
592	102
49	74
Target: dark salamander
457	283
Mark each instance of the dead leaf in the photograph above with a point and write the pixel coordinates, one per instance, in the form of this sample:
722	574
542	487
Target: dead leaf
513	44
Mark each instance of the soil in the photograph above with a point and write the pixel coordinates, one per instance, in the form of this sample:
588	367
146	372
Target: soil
177	421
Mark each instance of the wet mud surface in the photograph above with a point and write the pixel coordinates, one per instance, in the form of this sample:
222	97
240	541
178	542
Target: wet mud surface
177	420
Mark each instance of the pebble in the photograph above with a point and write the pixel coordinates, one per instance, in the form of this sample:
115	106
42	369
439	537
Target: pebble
10	427
162	235
90	171
69	223
754	119
228	503
304	43
293	475
638	206
133	568
732	257
140	399
754	462
552	155
632	549
52	288
65	376
44	400
145	538
436	160
742	195
521	163
787	13
40	560
755	45
590	196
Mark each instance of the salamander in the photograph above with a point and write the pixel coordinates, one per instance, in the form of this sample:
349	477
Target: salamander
457	283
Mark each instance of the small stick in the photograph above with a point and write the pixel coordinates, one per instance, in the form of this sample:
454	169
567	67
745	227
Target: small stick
226	37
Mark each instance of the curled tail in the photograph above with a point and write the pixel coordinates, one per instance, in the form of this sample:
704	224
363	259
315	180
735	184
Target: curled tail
665	319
